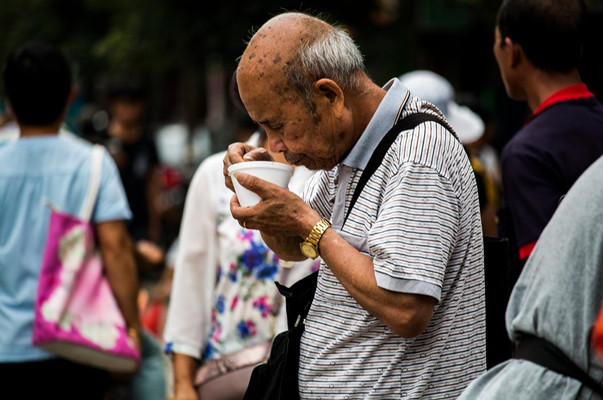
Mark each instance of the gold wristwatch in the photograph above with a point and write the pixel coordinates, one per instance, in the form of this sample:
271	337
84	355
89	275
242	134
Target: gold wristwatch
309	247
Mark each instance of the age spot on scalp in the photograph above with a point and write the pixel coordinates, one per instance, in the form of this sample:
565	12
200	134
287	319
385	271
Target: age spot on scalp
277	59
251	55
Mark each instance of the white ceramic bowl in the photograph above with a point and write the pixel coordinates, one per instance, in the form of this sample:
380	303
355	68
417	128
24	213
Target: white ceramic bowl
274	172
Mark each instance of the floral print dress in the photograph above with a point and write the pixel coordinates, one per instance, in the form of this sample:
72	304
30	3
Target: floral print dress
245	294
223	291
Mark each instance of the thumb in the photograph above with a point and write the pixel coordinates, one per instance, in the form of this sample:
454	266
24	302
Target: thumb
253	183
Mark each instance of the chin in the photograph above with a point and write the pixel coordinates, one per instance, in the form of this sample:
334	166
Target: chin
319	165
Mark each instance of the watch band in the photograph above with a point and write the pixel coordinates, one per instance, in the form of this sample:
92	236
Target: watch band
316	234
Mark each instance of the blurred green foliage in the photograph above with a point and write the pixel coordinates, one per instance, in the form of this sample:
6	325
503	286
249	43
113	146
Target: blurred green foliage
152	36
143	36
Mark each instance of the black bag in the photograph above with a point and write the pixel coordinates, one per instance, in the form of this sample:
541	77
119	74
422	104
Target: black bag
277	378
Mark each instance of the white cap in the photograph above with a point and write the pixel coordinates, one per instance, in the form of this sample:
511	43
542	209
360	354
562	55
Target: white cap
431	87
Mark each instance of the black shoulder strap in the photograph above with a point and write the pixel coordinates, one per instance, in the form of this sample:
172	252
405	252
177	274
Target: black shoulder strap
547	355
403	124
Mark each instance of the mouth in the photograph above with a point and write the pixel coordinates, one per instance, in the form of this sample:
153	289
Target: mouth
294	159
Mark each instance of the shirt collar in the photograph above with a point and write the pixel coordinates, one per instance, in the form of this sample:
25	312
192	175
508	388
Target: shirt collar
574	92
383	120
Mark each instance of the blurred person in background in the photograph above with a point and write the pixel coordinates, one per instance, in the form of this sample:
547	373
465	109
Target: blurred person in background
468	126
126	135
223	293
554	305
129	139
124	131
42	166
538	46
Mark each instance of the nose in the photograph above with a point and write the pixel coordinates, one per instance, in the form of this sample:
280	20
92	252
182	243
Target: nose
276	144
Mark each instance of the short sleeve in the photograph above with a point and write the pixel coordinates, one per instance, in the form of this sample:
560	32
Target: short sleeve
414	235
189	314
112	203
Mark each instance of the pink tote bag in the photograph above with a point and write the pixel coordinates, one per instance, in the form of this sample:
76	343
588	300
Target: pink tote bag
76	314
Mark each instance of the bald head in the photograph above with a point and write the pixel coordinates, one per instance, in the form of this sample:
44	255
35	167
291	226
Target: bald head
293	50
281	38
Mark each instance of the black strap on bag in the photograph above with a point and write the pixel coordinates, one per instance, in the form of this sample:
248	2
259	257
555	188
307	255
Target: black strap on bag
544	353
409	122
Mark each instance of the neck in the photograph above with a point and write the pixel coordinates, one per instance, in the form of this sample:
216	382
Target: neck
364	106
543	85
39	130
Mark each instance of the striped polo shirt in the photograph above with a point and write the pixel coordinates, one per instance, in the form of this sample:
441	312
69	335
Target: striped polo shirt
418	218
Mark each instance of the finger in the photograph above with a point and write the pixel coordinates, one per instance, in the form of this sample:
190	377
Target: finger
234	155
236	151
259	154
239	213
227	179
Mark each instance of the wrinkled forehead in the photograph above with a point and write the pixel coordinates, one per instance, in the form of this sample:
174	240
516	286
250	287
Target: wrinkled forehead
263	67
261	74
268	54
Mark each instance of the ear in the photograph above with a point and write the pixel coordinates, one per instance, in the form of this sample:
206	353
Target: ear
517	54
328	92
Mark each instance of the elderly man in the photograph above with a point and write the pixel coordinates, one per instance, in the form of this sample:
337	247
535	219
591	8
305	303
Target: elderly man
399	307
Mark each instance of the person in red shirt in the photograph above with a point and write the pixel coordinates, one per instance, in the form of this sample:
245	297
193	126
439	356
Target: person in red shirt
537	46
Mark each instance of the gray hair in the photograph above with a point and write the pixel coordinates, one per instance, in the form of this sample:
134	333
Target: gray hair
331	54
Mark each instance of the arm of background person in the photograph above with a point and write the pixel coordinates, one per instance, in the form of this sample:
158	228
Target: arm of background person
117	252
184	375
189	313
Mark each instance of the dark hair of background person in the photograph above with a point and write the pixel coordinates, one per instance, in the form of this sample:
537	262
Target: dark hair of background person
37	82
551	33
128	89
243	119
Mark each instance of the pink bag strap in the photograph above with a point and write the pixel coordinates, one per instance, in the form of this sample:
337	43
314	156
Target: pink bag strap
96	167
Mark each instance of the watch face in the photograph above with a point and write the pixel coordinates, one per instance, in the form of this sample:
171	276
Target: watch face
308	250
